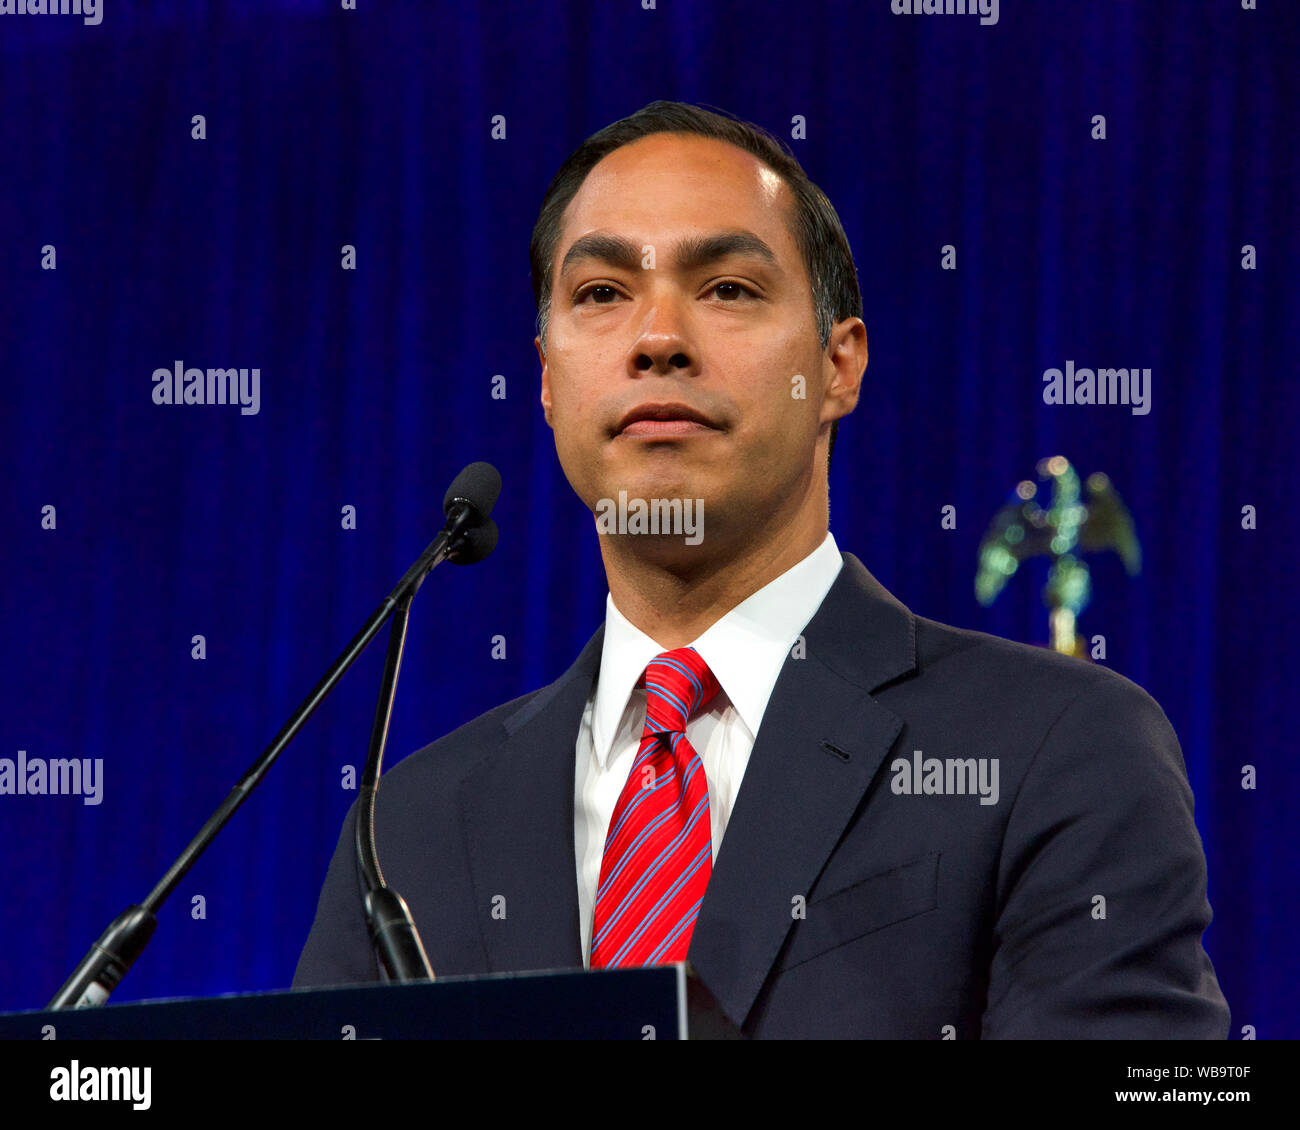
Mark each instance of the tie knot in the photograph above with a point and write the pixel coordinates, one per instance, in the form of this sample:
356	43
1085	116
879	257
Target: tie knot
677	685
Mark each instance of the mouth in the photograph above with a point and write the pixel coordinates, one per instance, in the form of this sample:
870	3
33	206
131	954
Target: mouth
664	421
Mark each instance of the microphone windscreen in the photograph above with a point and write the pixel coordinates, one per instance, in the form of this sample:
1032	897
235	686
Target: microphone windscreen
475	544
479	484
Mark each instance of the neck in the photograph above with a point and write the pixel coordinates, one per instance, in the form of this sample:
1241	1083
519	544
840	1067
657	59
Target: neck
674	593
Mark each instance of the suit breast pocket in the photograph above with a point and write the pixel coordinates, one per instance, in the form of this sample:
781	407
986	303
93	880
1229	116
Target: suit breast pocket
882	899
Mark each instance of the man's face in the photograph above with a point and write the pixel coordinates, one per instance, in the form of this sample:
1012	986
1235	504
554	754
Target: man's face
677	281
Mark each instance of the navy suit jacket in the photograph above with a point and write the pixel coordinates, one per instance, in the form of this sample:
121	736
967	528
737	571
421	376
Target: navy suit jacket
839	907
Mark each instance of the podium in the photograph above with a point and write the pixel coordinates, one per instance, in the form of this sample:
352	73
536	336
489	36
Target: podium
665	1002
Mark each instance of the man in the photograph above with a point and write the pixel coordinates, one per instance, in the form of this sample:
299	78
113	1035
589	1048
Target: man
740	767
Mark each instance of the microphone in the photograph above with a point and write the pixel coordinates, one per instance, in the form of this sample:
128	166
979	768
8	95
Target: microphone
476	544
469	535
478	487
468	505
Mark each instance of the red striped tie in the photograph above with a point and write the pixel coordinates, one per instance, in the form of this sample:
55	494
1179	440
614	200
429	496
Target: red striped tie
659	851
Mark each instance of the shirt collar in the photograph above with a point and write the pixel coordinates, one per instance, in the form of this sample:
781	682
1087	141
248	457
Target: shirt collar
745	649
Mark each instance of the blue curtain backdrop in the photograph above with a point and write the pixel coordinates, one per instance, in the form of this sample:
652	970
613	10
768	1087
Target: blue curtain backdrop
373	127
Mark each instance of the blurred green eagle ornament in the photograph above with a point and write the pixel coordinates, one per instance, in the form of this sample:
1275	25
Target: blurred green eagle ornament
1069	526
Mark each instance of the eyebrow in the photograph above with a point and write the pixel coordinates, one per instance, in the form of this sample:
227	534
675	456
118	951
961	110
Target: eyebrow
692	251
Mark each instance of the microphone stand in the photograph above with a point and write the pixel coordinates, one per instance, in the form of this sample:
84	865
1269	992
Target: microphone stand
392	929
117	949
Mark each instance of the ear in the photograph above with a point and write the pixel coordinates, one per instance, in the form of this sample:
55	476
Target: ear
844	364
546	382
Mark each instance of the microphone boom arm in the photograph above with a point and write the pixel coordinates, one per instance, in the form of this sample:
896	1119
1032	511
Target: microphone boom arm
116	950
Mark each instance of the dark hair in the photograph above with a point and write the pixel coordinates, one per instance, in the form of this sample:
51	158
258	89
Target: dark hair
817	229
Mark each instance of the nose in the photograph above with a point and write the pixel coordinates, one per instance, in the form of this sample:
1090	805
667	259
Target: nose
646	361
662	346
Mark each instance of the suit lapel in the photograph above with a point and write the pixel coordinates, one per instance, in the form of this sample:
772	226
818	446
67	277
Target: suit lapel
794	803
797	795
517	812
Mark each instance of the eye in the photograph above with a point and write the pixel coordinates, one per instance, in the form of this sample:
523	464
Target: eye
603	294
734	286
582	294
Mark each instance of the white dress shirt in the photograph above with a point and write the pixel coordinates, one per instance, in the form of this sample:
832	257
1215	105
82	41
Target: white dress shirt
745	650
